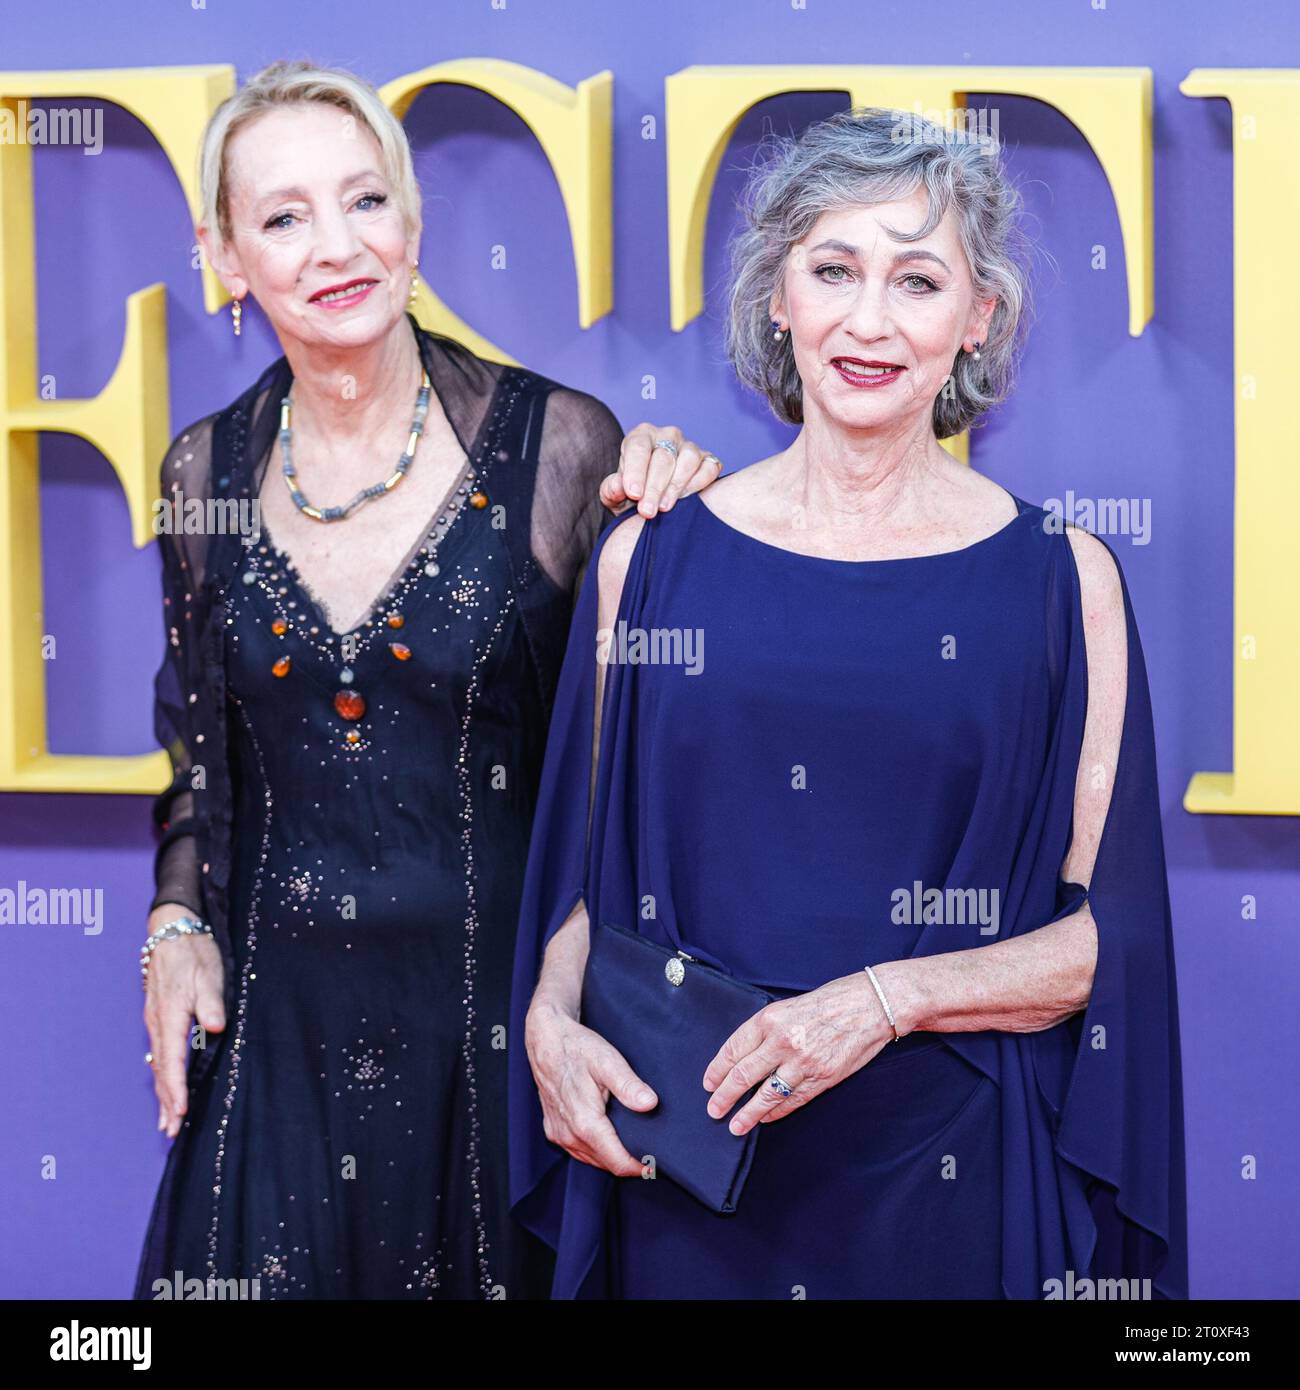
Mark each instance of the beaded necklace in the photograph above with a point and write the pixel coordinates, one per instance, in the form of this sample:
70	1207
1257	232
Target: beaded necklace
366	493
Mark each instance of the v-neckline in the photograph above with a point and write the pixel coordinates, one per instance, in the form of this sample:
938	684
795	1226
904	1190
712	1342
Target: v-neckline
317	605
477	448
482	435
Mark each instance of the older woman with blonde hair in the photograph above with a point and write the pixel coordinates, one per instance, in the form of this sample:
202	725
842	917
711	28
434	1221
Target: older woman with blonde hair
854	976
355	697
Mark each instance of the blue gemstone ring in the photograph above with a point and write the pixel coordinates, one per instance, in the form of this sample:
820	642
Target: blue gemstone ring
775	1082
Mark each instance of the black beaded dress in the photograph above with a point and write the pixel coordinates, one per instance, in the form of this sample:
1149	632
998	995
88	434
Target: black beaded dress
347	1136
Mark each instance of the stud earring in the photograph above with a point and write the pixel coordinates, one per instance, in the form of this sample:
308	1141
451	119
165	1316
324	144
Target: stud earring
237	314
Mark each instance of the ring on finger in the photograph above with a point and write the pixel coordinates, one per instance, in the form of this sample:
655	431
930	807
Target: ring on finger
777	1084
713	458
666	444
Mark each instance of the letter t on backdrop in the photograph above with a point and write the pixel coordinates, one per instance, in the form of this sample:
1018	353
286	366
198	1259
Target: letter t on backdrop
1110	107
1265	776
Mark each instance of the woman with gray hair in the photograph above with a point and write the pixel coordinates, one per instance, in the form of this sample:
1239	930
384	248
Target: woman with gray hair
849	972
355	697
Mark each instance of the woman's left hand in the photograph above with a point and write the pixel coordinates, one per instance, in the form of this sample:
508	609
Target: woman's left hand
654	478
812	1041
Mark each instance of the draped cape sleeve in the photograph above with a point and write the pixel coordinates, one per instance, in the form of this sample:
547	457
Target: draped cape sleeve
1120	1117
1091	1109
561	1201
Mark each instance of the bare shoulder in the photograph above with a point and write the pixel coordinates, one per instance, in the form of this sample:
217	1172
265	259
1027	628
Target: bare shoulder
615	557
1099	582
1106	642
748	495
985	502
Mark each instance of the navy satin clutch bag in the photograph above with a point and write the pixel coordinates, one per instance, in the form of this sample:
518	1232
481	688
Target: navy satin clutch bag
668	1015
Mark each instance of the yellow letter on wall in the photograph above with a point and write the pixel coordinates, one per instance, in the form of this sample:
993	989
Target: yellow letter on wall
1110	107
572	125
1265	776
128	422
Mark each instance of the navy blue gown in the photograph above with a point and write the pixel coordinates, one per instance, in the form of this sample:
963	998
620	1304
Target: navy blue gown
856	734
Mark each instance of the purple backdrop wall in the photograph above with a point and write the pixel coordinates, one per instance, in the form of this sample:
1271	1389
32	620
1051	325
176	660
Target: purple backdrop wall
1096	411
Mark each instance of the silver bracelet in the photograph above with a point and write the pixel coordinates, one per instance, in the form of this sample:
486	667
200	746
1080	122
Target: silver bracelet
169	931
884	1004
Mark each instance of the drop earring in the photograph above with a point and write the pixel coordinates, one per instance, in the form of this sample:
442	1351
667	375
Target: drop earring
415	286
236	314
779	333
975	352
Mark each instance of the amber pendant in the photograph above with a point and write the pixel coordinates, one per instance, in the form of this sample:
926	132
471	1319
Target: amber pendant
348	704
281	667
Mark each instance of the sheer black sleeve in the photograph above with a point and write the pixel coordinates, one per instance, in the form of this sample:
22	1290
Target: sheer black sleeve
580	445
186	474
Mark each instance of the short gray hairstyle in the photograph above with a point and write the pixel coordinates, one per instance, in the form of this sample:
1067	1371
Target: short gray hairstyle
873	155
291	83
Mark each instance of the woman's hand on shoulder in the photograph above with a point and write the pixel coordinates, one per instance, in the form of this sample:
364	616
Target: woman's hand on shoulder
654	478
